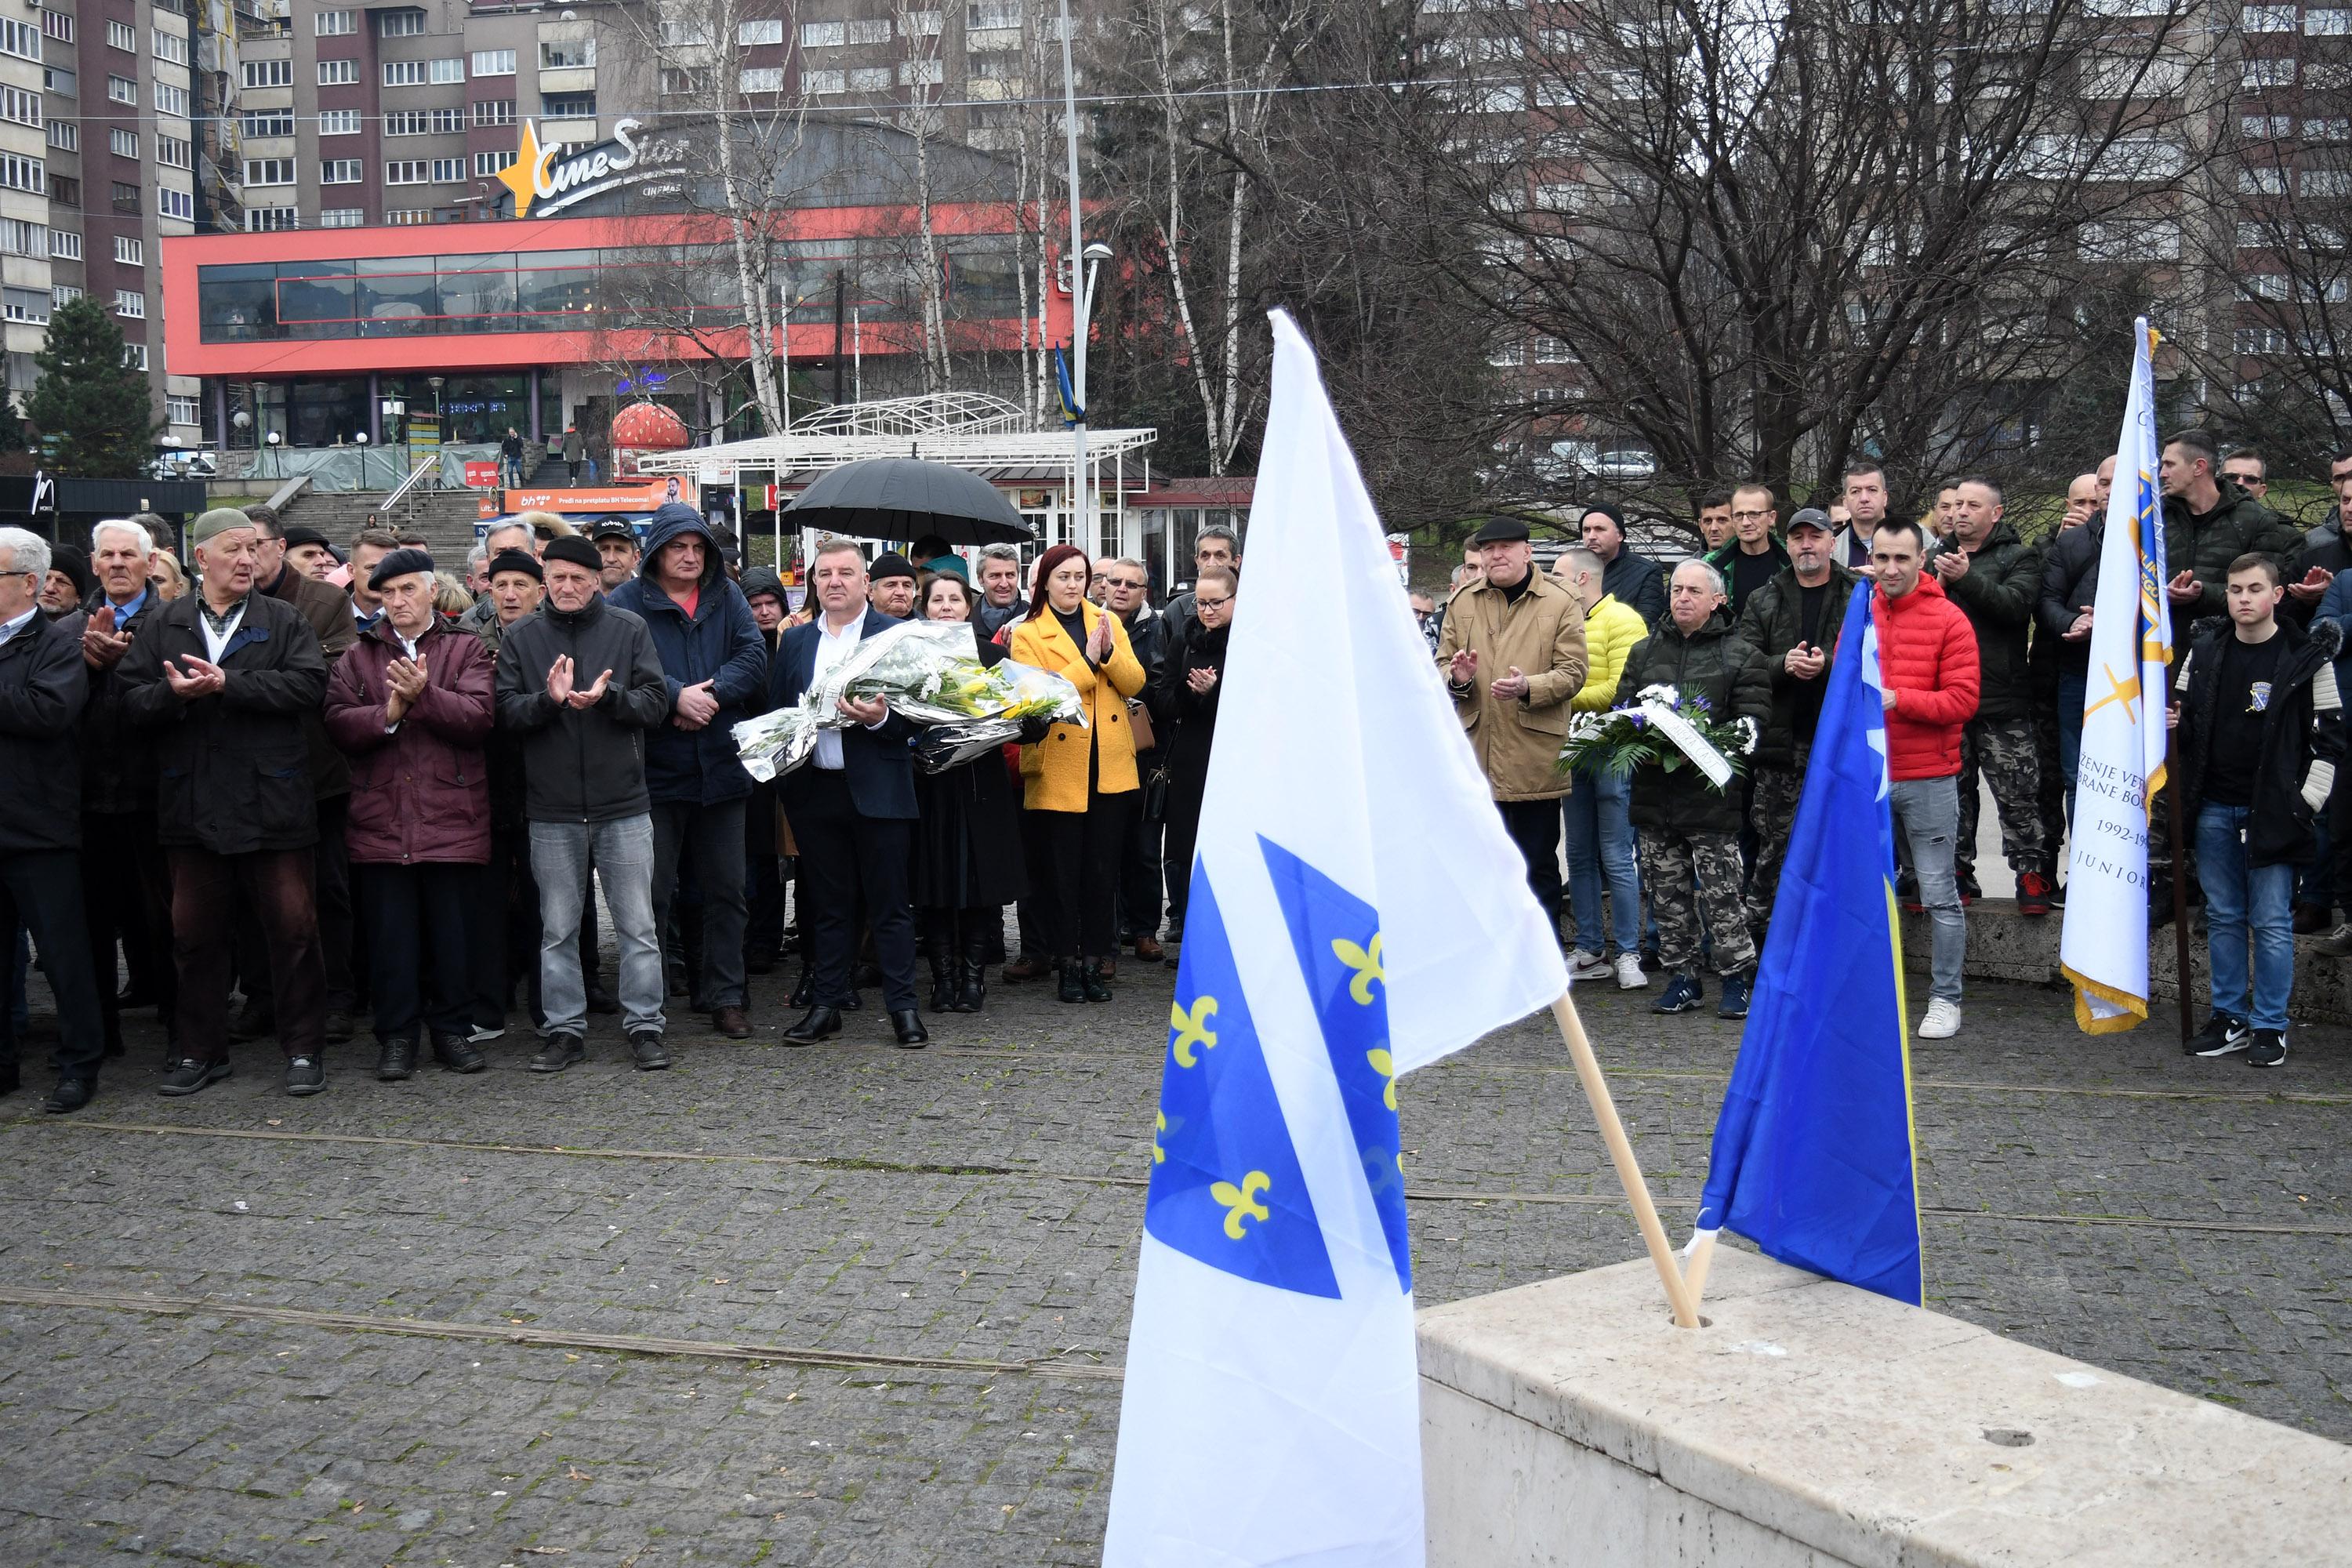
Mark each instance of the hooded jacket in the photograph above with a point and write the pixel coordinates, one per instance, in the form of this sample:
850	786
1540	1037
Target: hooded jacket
1998	593
1770	623
1927	660
720	643
1713	664
2206	545
582	764
2302	736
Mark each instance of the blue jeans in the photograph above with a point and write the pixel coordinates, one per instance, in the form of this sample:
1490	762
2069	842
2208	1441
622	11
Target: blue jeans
2242	901
1928	819
622	850
2073	685
1601	844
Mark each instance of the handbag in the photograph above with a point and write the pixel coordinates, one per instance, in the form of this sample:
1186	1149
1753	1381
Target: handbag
1139	718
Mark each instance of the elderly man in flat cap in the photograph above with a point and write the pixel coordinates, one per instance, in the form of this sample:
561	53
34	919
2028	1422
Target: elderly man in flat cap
223	678
1512	653
890	585
410	705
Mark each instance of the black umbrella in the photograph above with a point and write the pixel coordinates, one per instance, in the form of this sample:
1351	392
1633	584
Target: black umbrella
905	498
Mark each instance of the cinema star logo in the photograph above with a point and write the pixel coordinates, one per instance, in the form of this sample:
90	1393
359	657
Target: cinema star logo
546	178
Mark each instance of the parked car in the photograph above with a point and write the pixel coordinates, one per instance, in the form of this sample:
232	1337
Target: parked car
1628	464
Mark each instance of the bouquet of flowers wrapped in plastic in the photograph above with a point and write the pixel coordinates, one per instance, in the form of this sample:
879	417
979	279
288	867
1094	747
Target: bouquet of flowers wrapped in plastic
1661	726
929	671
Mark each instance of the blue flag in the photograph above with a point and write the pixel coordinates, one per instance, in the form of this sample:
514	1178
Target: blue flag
1071	413
1813	1156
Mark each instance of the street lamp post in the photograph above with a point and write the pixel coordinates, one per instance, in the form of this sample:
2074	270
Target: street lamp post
1084	260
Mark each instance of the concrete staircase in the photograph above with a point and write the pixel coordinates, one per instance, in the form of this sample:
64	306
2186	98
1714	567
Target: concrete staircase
445	518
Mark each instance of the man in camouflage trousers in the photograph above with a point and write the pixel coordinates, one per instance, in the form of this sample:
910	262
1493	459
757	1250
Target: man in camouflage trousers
1995	578
1690	829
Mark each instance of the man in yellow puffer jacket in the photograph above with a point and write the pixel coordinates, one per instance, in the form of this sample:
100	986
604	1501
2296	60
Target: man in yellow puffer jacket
1601	842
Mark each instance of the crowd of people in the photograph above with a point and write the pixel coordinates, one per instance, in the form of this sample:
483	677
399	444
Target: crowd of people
346	784
1984	649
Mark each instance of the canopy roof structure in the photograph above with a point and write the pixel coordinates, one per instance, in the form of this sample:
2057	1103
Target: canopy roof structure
970	429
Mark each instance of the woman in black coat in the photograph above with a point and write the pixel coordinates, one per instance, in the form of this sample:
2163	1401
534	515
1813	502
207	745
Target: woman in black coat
968	863
1184	703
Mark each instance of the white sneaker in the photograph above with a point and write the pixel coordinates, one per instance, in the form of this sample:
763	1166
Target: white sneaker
1583	965
1629	973
484	1032
1942	1022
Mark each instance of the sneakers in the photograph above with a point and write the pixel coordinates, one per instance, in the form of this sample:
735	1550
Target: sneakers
1682	996
188	1077
1970	891
482	1032
2269	1049
1942	1022
560	1052
2032	893
1735	997
1587	965
1629	973
2338	944
645	1048
304	1075
2221	1034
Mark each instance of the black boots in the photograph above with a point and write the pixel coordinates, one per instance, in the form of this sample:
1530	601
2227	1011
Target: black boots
938	946
972	973
1094	984
1072	974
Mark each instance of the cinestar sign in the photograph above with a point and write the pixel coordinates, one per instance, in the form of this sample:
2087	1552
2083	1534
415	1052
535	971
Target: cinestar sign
546	179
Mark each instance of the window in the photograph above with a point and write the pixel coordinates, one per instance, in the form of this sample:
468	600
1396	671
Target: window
134	356
176	203
57	25
405	123
2262	181
170	100
2331	183
20	39
771	78
131	302
494	62
768	30
813	35
815	81
342	218
566	54
65	189
172	48
265	122
21	173
335	23
122	36
338	122
23	107
122	143
445	72
2266	19
125	196
869	78
402	25
26	304
448	171
63	244
340	172
269	171
448	122
18	238
922	24
984	15
2319	24
258	73
123	90
408	214
65	135
64	292
569	105
403	73
174	153
269	220
489	163
2261	74
494	111
685	34
129	251
2265	127
407	172
679	81
338	73
61	82
2336	129
928	73
183	410
876	31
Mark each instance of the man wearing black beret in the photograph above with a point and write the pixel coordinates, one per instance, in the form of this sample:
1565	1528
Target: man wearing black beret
890	585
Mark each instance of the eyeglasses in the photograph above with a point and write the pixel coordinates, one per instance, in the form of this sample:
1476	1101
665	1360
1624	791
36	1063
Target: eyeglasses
1211	604
1123	583
1737	516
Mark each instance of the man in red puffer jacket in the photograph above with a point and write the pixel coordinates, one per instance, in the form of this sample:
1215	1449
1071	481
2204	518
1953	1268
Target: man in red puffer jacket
1929	674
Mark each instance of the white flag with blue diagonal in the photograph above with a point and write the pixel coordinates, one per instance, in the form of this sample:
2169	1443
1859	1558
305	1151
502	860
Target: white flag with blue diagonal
1356	910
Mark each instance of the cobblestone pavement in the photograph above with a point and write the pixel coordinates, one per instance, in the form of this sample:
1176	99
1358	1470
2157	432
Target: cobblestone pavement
245	1328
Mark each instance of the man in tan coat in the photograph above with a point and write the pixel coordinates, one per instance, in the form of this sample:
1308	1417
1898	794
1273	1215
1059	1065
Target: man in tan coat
1513	655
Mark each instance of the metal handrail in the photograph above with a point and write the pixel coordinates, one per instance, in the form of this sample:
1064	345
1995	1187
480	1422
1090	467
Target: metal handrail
424	466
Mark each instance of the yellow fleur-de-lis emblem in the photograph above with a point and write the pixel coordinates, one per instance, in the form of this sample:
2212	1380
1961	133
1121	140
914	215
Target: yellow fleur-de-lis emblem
1241	1203
1192	1029
1384	1064
1365	962
1159	1155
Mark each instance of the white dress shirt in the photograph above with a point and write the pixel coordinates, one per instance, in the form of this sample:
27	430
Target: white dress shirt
832	648
10	628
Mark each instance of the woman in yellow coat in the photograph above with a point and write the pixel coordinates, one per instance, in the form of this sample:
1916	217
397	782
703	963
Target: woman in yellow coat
1078	784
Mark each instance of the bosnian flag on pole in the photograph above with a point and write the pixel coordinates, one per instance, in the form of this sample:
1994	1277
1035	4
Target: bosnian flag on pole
2104	947
1272	1410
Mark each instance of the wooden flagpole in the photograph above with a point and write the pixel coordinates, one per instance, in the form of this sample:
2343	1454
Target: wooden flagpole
1702	1254
1629	1170
2179	858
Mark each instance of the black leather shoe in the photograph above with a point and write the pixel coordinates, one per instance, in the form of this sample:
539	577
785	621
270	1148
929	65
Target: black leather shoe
646	1047
456	1054
304	1075
911	1033
71	1094
805	988
814	1025
336	1028
560	1052
1074	985
395	1060
186	1077
1093	983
